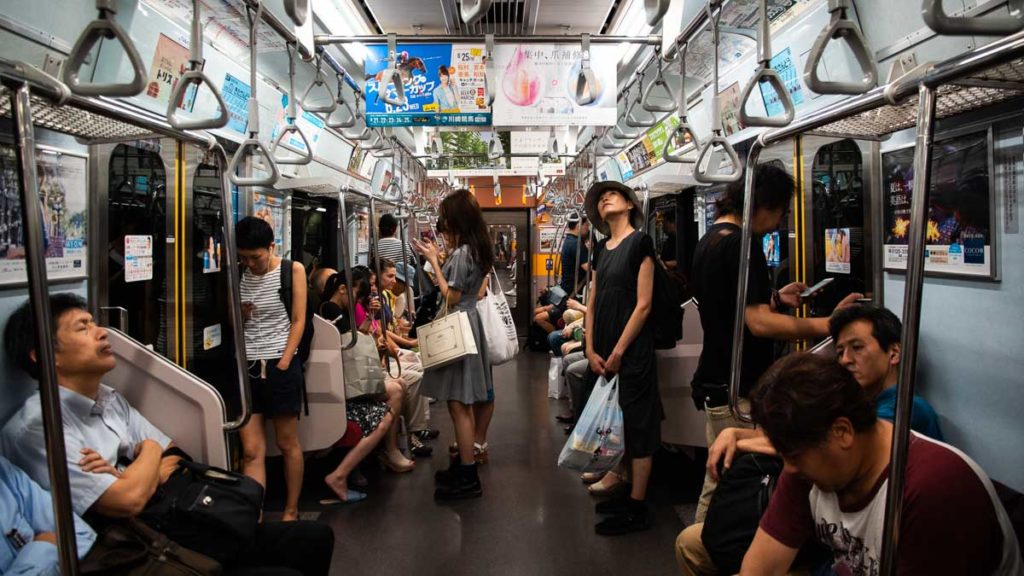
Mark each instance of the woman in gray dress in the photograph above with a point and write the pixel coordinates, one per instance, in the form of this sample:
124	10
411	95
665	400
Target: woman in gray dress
466	384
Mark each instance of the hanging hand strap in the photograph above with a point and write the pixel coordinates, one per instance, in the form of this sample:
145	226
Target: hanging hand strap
253	141
765	73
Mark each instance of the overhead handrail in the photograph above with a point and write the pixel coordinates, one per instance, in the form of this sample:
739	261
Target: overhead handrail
658	82
765	73
684	127
936	19
700	173
346	264
195	75
253	141
841	27
298	11
38	290
290	127
490	73
105	26
654	10
341	104
393	76
586	81
40	83
633	121
474	10
319	82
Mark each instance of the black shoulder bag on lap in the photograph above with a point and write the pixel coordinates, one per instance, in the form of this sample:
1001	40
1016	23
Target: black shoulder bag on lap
130	548
207	509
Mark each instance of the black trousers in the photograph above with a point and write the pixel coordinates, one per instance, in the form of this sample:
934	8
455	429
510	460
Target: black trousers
287	549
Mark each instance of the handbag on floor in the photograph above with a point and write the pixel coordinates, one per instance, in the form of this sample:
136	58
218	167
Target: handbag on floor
556	382
499	326
447	339
130	548
597	443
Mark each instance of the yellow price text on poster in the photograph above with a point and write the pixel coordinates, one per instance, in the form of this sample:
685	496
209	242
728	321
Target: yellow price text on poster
474	52
432	107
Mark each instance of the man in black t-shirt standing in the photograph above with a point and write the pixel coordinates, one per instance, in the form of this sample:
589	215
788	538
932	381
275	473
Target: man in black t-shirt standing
714	280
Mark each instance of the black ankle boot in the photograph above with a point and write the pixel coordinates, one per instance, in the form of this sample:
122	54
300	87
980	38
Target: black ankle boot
464	482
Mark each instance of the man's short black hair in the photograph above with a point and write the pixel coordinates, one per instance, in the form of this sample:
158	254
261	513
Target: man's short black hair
773	189
20	332
386	263
885	326
799	398
387	226
252	233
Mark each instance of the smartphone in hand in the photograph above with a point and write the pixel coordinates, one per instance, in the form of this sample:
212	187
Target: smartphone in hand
813	290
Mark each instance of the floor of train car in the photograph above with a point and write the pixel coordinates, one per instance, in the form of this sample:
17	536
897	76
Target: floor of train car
534	518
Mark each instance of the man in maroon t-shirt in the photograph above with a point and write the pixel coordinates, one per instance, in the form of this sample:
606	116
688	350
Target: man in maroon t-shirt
833	487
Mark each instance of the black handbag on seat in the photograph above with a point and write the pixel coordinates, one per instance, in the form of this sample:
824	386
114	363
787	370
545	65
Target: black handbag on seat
130	548
212	511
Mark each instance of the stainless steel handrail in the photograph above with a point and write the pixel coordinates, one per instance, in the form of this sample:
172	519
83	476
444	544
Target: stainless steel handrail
105	26
290	127
40	83
325	39
840	26
936	19
38	289
346	263
253	141
766	73
195	75
321	82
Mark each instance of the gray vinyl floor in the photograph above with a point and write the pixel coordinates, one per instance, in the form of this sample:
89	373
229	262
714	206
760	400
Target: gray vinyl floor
533	518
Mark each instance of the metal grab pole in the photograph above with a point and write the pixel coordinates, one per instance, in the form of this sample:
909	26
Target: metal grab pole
403	224
739	320
49	395
346	265
234	299
911	327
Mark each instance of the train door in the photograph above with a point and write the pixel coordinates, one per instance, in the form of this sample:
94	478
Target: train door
132	217
314	234
510	240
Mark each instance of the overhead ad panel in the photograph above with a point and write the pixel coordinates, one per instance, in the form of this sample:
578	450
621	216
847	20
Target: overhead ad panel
537	86
444	86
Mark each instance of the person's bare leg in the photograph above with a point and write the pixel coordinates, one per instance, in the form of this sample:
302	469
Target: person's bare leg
337	480
286	431
395	389
541	319
462	419
482	414
254	449
641	474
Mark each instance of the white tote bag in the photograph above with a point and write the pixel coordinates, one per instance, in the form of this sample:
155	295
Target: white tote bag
499	327
447	339
556	382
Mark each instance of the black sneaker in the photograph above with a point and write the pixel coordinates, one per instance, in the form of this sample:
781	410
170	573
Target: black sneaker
635	520
465	483
425	435
613	506
418	448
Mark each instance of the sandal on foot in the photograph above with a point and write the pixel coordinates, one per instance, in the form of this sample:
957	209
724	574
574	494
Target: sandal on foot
591	477
603	489
351	497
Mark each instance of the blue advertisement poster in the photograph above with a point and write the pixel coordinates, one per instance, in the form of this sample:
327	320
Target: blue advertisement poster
444	86
783	64
236	97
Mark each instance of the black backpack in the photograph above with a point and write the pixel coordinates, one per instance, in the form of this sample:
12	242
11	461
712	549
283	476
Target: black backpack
286	297
666	308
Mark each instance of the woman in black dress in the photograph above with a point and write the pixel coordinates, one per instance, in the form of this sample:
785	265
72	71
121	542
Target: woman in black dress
620	342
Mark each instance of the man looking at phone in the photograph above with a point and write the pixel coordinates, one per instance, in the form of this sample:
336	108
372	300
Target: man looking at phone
715	277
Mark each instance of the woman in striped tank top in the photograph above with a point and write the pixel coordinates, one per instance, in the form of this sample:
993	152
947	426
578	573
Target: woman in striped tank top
272	337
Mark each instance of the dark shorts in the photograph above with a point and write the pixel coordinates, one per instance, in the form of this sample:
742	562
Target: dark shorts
555	315
280	393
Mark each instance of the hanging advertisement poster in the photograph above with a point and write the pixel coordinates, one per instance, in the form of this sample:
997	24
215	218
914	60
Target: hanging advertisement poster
138	258
62	198
236	96
535	142
537	85
311	126
837	250
443	84
362	232
549	241
270	209
959	239
770	245
782	63
170	62
729	107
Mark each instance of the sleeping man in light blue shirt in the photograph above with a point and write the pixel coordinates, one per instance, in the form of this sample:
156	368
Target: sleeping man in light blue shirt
26	519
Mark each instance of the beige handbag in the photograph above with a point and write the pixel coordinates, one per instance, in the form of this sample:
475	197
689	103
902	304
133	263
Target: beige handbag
447	339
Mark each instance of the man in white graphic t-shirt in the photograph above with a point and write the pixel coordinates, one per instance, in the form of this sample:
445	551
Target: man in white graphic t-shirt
833	487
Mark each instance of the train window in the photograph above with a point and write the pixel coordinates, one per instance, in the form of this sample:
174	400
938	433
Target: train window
839	239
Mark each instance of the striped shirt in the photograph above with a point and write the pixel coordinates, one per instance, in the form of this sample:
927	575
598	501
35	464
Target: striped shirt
266	330
391	248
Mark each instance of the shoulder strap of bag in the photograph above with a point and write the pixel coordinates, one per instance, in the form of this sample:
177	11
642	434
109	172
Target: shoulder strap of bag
286	285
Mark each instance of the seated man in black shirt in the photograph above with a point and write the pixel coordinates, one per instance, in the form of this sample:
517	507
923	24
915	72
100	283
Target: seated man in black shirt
573	276
714	281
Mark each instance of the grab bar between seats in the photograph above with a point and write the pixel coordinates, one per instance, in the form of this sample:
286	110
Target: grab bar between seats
105	26
840	26
321	82
937	20
195	75
766	73
253	141
290	127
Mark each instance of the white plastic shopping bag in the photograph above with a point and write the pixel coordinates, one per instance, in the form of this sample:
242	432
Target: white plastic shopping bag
556	384
499	327
597	442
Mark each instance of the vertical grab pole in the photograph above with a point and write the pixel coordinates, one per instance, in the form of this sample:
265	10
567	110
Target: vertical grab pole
741	286
403	225
346	265
911	327
49	395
